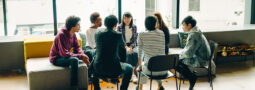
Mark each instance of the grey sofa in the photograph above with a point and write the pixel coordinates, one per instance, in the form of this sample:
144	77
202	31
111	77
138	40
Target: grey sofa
42	75
11	53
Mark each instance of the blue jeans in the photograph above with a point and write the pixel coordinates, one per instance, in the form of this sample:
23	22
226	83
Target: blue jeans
73	63
126	70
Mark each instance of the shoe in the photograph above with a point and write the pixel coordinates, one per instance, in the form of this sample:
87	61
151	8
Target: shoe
161	88
132	78
192	82
135	80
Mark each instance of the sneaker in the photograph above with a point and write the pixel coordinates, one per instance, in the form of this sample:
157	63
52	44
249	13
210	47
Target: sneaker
192	82
161	88
135	80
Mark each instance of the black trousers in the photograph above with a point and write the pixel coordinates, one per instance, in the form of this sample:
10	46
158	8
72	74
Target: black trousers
185	71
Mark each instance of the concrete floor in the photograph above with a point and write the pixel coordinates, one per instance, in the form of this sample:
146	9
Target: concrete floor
230	76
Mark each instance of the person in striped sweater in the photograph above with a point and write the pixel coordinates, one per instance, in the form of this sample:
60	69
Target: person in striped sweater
150	43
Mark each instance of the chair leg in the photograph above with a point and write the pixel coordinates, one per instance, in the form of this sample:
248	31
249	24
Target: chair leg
176	83
91	86
139	79
117	85
150	84
180	84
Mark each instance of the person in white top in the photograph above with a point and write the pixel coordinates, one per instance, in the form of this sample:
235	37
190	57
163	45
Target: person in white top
129	34
96	21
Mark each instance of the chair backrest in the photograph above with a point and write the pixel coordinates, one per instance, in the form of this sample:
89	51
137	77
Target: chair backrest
213	47
163	62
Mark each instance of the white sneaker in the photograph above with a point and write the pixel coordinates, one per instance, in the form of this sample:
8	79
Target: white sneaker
135	80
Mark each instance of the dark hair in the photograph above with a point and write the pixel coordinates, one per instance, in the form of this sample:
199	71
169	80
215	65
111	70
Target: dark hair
110	21
94	16
162	25
71	21
128	15
190	20
150	23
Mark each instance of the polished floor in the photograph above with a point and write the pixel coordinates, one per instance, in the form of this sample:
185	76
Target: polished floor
230	76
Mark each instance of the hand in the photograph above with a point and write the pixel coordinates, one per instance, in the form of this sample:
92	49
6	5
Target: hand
139	69
85	59
130	50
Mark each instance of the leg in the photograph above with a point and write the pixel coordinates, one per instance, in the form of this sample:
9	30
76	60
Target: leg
185	71
159	84
73	62
127	71
95	81
89	54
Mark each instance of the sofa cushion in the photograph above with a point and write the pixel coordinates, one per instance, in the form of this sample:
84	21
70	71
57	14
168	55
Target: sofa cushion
42	75
182	37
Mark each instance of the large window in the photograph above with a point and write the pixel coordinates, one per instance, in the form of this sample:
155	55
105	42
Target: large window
83	9
137	9
29	17
1	19
214	14
165	8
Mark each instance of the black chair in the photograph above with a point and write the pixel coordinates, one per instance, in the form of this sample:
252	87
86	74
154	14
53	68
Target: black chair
213	47
161	63
109	79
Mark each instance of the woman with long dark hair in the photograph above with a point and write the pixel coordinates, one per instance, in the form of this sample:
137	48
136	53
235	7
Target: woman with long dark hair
162	26
129	33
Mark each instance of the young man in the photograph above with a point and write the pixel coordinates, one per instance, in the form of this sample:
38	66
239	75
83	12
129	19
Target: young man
196	53
66	40
110	55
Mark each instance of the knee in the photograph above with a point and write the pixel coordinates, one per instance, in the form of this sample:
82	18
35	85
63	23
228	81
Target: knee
74	60
129	68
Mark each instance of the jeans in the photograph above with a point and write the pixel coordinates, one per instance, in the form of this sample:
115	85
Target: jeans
73	63
126	70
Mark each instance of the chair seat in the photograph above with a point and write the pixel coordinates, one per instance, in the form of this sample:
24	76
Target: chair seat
168	75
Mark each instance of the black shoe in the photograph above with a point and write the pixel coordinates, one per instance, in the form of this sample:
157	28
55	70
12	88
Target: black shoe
192	82
161	88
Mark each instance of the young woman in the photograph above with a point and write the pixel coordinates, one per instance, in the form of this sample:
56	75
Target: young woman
129	33
162	26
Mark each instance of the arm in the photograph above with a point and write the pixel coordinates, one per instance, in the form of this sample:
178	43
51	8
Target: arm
167	35
76	47
63	51
134	34
140	48
122	49
119	29
190	48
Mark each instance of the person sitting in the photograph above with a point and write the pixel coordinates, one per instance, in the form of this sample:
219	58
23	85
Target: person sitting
110	55
66	40
96	21
129	34
162	26
196	53
150	43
